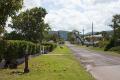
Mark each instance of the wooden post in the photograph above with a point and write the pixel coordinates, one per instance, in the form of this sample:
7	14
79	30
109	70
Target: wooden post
26	69
83	34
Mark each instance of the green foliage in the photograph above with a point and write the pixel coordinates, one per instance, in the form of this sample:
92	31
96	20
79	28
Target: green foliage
116	27
110	45
102	44
61	41
71	37
50	46
13	36
60	65
1	30
31	24
17	49
2	48
54	37
13	49
117	49
105	35
8	8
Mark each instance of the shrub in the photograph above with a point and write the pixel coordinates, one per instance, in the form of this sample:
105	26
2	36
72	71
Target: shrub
115	49
13	49
110	45
102	44
51	46
2	48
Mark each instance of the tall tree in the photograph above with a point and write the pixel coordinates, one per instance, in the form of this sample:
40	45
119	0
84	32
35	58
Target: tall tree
71	37
8	8
1	30
116	26
13	36
31	24
105	35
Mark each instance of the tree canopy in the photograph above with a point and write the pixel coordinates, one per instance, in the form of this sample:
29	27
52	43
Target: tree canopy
31	24
8	8
116	25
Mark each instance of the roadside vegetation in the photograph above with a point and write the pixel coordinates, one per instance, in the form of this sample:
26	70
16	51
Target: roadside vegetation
29	35
11	50
57	65
105	40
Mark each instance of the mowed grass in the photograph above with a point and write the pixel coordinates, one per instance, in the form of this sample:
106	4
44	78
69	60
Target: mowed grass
57	65
100	50
113	53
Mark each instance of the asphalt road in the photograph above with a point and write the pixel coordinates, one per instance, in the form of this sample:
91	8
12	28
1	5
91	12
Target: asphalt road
101	66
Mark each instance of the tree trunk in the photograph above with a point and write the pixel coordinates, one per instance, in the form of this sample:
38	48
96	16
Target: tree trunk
26	69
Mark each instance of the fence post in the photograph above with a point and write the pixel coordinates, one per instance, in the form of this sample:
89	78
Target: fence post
26	69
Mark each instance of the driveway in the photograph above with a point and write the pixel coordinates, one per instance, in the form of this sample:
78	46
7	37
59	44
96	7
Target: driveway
101	66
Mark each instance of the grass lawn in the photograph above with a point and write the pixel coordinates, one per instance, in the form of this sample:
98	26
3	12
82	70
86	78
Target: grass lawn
101	50
105	52
57	65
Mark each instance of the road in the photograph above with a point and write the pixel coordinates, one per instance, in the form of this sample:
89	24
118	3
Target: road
101	66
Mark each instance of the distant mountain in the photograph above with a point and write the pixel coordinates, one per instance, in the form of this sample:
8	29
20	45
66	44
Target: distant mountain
108	32
90	33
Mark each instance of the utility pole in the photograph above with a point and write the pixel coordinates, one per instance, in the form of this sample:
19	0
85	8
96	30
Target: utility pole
83	33
92	35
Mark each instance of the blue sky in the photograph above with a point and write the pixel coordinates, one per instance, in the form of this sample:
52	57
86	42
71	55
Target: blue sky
76	14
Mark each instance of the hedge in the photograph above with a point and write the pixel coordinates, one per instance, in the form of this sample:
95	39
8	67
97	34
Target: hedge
51	46
2	49
13	49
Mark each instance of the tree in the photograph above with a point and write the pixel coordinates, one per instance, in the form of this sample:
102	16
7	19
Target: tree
71	37
1	30
8	8
13	36
31	24
116	28
55	37
105	35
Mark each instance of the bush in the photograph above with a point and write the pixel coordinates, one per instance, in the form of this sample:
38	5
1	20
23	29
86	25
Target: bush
13	49
115	49
110	45
50	46
16	49
2	49
102	44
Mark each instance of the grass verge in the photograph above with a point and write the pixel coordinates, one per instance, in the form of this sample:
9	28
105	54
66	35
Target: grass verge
57	65
113	53
100	50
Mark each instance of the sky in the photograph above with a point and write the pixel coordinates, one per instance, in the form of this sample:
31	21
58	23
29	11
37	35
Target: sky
77	14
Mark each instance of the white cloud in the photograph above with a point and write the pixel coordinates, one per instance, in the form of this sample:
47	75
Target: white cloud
28	4
76	14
